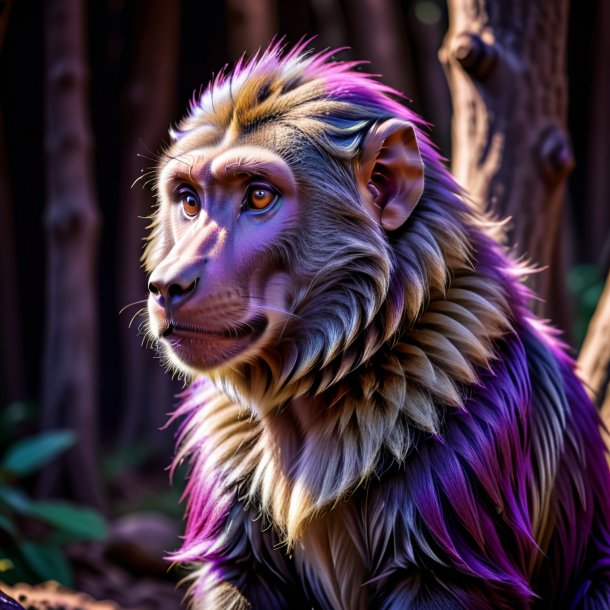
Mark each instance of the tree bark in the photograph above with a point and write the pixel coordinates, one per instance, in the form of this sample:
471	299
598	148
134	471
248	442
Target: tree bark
505	62
72	226
149	109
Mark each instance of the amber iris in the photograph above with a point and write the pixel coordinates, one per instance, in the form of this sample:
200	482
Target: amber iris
190	203
259	197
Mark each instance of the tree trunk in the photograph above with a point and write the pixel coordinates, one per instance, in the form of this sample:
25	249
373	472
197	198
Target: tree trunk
72	224
505	62
149	109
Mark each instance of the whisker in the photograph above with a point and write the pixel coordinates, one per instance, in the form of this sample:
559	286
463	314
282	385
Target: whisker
145	174
154	158
138	313
149	181
132	304
170	157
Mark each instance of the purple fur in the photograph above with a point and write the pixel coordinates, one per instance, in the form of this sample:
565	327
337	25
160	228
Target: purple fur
208	503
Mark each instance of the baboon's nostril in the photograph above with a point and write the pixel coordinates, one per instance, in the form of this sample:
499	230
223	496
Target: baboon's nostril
176	290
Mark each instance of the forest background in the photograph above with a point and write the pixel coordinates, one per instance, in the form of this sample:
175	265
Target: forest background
517	94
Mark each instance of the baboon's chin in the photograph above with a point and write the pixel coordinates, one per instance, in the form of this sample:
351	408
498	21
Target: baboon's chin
201	351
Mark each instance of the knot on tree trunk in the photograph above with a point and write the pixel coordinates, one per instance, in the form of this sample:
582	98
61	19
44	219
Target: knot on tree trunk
475	56
555	154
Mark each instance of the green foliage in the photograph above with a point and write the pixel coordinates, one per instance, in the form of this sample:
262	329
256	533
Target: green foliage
34	532
586	284
30	454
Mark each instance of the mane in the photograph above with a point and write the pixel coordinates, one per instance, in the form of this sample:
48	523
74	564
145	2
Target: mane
386	338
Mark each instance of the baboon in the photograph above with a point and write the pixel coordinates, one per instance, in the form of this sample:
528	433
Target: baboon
375	419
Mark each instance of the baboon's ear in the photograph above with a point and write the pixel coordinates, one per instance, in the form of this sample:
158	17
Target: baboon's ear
391	172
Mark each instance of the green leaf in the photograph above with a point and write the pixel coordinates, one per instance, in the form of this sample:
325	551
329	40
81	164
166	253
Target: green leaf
77	522
28	455
14	499
47	562
73	522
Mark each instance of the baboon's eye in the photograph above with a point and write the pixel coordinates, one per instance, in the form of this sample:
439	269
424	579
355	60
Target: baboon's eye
189	200
259	197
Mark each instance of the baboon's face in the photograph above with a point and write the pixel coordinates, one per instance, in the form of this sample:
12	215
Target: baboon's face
271	236
219	290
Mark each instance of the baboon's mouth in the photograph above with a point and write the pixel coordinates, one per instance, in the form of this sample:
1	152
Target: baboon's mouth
252	329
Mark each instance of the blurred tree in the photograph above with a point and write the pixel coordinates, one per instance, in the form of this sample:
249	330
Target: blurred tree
70	384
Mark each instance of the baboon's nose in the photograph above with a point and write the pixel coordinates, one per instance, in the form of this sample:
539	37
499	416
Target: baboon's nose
173	291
